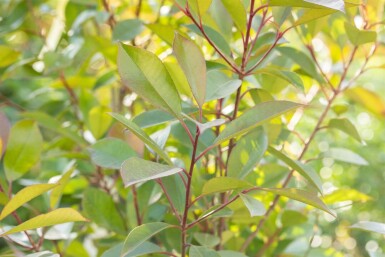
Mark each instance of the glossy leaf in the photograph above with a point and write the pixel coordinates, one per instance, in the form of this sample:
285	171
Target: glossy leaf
23	151
332	4
24	196
146	75
359	37
223	184
345	155
135	170
247	153
345	126
193	63
370	226
303	169
313	14
58	216
255	207
100	208
142	135
140	234
254	117
237	11
300	195
110	153
201	251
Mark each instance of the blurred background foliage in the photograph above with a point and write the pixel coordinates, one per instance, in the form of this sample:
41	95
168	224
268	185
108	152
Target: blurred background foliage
58	68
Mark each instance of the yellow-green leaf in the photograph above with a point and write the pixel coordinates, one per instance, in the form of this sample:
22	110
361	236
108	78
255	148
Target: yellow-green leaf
58	191
237	11
223	184
359	37
99	120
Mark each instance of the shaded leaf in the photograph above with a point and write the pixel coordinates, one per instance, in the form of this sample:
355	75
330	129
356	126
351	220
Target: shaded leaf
126	30
227	253
110	153
255	207
370	226
58	216
345	126
24	148
286	75
205	239
143	249
140	234
135	170
201	251
223	184
225	212
220	86
292	218
24	196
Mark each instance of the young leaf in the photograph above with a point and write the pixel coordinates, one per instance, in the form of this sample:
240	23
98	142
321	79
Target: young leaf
146	75
100	208
141	234
191	59
23	149
135	170
255	207
223	184
237	11
370	226
247	153
345	155
345	126
302	196
300	167
110	153
24	196
57	192
359	37
254	117
58	216
142	135
201	251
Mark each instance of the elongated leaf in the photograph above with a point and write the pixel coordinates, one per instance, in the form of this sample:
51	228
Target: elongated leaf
141	234
292	218
225	212
58	191
223	184
111	153
99	120
237	11
302	196
24	196
100	208
23	151
332	4
227	253
43	254
345	126
370	226
204	126
220	86
286	75
254	117
141	250
255	207
346	194
247	153
126	30
346	155
142	135
201	251
368	99
146	75
301	168
207	240
165	32
359	37
58	216
313	14
193	63
135	170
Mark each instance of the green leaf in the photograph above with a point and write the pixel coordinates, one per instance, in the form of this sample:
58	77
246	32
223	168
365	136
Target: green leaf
135	170
346	194
227	253
368	99
204	126
300	167
200	6
201	251
254	117
332	4
220	86
24	196
237	11
309	198
146	75
7	56
143	249
345	126
255	207
223	184
286	75
191	59
346	155
126	30
43	254
55	217
141	234
359	37
110	153
99	121
142	135
207	240
292	218
23	149
152	118
165	32
247	153
51	123
370	226
58	191
100	208
313	14
225	212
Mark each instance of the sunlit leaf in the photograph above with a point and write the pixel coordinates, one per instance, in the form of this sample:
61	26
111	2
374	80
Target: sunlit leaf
292	218
345	194
57	192
359	37
99	120
220	86
368	99
286	75
370	226
255	207
345	155
223	184
345	126
237	11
